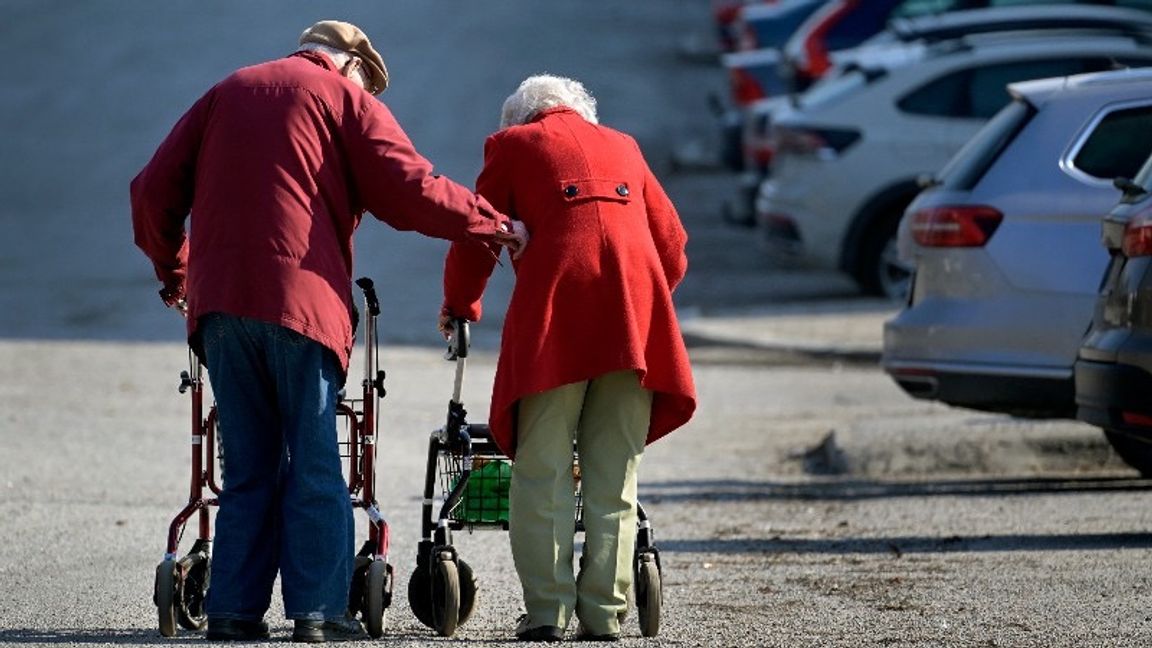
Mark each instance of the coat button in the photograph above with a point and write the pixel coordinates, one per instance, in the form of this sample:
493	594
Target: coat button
571	191
622	190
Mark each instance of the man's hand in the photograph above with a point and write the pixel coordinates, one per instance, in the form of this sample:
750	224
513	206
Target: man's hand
514	237
173	297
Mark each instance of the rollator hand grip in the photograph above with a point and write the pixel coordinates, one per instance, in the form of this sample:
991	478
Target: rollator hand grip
369	289
458	339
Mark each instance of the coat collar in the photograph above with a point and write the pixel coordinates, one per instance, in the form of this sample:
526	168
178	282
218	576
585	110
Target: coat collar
551	111
319	58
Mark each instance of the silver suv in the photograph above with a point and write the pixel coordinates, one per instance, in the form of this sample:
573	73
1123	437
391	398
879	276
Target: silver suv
1005	246
849	156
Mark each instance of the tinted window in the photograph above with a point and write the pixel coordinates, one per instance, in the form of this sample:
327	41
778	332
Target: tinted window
989	93
980	92
866	18
913	8
1118	145
831	88
970	163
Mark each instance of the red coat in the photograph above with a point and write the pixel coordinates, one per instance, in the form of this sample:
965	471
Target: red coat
277	164
593	289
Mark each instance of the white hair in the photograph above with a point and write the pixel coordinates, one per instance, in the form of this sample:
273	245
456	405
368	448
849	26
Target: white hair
338	56
544	91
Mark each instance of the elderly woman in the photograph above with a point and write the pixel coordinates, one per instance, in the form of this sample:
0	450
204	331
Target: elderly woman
591	350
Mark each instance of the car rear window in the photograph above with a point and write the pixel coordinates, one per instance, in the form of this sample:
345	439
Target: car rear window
1117	145
972	161
832	88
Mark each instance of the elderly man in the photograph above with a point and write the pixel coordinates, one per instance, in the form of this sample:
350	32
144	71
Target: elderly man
277	164
591	350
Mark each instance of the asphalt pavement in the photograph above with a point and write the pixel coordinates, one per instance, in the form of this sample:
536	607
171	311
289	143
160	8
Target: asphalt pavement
832	329
808	503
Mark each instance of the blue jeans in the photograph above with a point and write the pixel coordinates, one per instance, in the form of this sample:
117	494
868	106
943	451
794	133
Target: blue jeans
284	505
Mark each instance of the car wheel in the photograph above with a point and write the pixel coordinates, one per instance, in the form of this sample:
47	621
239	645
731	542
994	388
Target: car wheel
880	270
1136	451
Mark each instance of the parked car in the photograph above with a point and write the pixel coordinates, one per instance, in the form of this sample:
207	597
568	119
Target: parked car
957	24
1005	246
749	148
1113	371
844	24
849	156
725	20
770	24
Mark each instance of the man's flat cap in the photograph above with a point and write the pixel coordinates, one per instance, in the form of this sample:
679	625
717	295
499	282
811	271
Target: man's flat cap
349	38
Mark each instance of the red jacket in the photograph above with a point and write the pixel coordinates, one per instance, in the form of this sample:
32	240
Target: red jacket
593	289
277	164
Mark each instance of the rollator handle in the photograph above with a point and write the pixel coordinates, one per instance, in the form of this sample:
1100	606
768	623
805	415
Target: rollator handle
369	289
458	339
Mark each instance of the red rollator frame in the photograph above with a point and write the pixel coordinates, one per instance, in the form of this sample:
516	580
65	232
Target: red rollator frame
181	584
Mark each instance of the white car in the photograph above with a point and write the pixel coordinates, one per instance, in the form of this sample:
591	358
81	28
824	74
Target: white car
851	154
1006	246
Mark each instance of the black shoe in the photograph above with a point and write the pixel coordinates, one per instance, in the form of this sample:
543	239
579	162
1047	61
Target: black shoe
611	636
582	634
545	633
345	629
236	630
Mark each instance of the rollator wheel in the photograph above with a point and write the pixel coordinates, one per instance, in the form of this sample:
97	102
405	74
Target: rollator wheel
191	590
179	593
420	594
467	590
164	595
376	597
445	596
649	594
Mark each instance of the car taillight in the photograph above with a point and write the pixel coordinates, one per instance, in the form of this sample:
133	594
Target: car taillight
1138	235
816	57
958	226
745	88
823	142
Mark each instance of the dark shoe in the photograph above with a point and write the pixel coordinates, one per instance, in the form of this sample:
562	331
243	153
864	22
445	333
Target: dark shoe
611	636
545	633
236	630
345	629
583	634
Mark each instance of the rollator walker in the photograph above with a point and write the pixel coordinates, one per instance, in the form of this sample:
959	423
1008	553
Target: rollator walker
472	476
182	583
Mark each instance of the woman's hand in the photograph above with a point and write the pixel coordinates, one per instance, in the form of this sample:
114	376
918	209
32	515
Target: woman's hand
514	237
444	325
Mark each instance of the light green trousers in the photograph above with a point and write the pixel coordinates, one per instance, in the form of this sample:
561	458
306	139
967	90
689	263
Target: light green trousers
608	418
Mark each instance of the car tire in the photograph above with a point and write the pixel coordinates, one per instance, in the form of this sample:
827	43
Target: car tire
879	270
1136	451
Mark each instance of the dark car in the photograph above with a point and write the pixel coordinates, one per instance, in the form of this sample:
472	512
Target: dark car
843	24
1113	371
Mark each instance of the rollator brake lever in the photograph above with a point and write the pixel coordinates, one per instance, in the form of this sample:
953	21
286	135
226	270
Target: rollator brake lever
185	382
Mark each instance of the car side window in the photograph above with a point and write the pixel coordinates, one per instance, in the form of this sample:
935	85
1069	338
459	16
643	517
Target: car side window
989	84
1118	145
943	97
980	92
